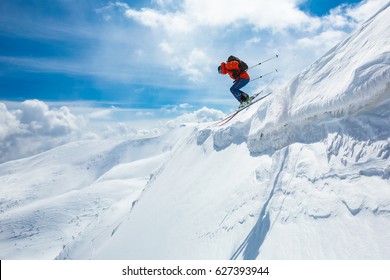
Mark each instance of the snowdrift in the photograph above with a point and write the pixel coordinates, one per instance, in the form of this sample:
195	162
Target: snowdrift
351	77
303	174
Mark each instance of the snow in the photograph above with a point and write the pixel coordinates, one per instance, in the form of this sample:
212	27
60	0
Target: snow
303	174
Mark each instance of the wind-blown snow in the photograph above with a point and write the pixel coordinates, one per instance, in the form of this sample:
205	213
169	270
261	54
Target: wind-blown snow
303	174
350	77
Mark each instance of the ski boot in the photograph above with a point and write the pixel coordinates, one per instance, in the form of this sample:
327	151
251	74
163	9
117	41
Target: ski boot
245	102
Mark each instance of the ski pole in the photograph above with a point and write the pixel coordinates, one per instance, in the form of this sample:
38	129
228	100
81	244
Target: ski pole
268	59
276	70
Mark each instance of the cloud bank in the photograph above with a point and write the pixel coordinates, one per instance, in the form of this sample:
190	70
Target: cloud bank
193	35
33	126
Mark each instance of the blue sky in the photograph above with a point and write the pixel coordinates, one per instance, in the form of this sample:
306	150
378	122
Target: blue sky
160	53
323	7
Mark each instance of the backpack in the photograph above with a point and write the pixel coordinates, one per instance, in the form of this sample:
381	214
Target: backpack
243	66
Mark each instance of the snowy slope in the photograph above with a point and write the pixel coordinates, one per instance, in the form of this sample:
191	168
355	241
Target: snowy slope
303	174
51	199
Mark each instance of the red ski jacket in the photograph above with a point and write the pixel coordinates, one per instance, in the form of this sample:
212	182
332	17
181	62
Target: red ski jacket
233	69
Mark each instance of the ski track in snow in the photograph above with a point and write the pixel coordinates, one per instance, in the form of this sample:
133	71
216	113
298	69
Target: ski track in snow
303	174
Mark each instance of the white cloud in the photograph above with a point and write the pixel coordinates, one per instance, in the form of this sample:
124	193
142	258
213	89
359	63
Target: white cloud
192	65
166	47
185	106
253	41
34	127
365	10
9	124
350	16
192	14
193	32
322	41
166	3
341	18
195	66
176	109
105	114
202	115
144	114
172	22
190	37
36	117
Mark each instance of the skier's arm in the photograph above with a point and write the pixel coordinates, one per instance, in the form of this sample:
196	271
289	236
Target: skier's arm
232	65
223	68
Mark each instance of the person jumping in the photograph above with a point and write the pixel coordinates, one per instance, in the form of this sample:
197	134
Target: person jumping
236	69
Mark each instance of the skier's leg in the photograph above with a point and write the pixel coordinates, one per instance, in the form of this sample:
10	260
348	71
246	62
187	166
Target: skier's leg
235	89
236	94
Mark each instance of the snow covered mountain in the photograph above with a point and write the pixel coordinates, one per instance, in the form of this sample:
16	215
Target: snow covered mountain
303	174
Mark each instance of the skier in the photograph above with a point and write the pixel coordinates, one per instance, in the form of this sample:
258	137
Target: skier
236	69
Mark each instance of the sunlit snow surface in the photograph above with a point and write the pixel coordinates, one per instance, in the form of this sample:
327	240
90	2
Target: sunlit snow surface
302	175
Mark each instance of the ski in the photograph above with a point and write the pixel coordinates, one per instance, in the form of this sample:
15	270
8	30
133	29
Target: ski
261	91
231	116
253	97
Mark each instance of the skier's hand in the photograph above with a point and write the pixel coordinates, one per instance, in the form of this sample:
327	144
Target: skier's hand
236	74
